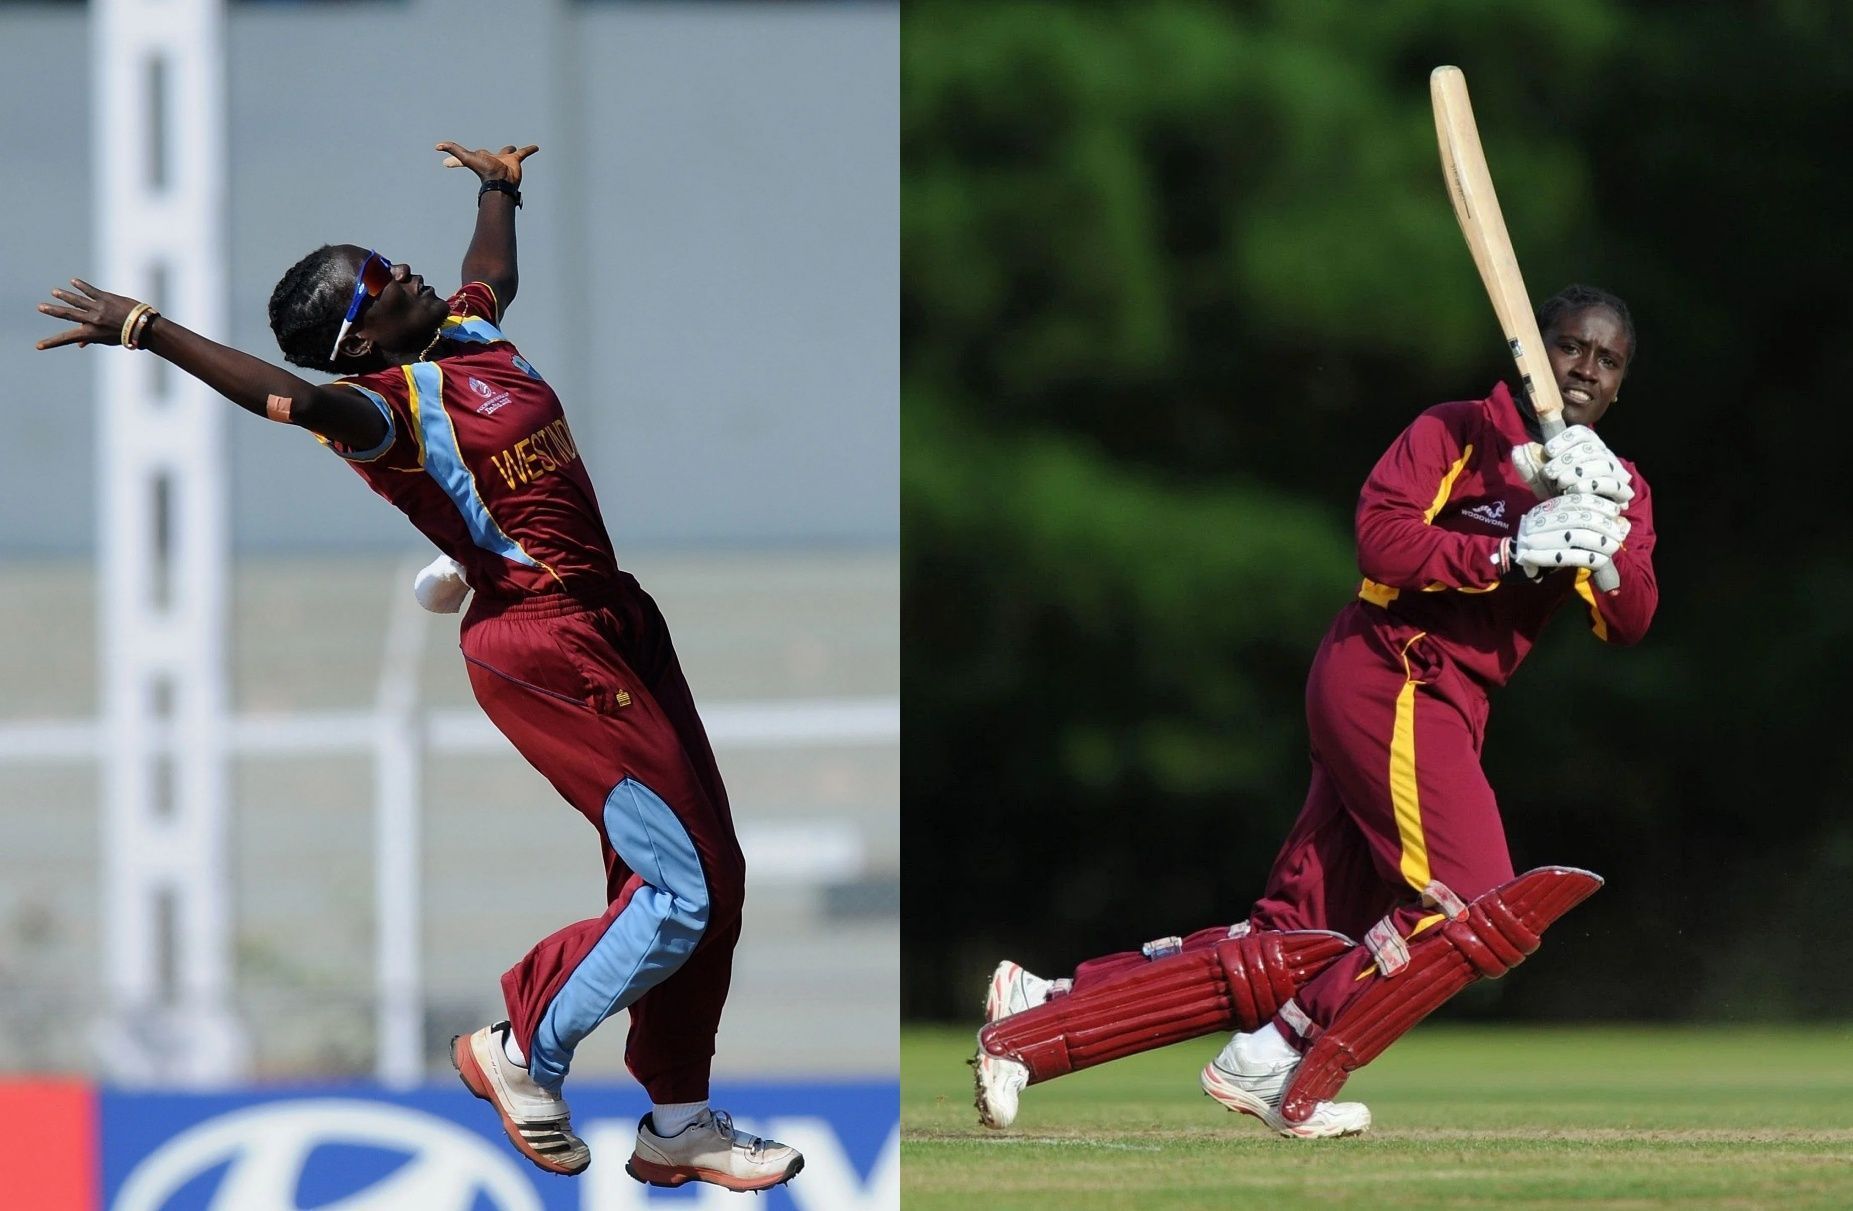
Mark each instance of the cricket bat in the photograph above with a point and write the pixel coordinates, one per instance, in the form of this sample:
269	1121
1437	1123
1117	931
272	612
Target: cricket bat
1470	189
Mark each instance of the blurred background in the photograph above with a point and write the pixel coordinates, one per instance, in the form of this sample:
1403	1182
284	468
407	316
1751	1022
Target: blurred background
1173	276
709	278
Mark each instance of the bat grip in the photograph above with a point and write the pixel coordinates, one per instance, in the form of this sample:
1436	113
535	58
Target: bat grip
1606	577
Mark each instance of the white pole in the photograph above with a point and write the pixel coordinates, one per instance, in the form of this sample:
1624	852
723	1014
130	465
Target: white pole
162	550
397	788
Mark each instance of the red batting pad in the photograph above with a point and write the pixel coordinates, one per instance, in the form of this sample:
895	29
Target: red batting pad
1491	937
1237	984
48	1145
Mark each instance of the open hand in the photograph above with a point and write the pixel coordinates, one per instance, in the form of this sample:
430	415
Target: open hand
97	313
504	165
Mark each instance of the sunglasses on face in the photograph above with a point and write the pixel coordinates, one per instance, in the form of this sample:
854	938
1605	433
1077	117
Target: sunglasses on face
374	275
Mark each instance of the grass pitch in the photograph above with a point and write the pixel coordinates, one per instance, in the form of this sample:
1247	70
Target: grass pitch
1464	1117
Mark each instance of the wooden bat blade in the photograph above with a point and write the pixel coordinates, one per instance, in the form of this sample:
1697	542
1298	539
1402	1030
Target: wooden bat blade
1476	206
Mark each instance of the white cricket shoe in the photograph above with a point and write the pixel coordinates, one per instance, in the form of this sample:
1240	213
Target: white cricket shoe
998	1082
1250	1075
536	1120
711	1150
1013	990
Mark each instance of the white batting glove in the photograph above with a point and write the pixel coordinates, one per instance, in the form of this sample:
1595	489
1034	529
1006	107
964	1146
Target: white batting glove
1579	530
1528	462
440	587
1576	460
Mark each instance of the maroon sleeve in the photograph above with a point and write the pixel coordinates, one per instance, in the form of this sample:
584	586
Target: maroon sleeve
1409	485
403	447
1622	617
476	298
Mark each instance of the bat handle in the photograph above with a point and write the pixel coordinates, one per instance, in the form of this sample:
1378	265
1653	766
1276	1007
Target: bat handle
1606	577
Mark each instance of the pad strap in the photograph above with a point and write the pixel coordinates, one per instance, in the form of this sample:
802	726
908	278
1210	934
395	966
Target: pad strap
1386	942
1095	971
1487	937
1235	984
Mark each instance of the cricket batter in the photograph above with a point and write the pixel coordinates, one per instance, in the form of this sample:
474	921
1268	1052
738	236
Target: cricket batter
1399	846
440	414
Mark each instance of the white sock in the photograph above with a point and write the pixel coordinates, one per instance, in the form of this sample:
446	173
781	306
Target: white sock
513	1051
670	1119
1267	1045
1257	1052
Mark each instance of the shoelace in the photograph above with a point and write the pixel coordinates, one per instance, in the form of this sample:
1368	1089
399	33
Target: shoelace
751	1144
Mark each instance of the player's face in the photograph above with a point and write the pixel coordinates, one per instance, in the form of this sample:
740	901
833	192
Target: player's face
404	314
1589	354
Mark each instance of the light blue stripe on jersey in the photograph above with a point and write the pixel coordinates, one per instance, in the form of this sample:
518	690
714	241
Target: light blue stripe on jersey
652	937
367	456
444	463
472	330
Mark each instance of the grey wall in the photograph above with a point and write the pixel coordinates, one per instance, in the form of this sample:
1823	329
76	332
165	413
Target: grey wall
710	265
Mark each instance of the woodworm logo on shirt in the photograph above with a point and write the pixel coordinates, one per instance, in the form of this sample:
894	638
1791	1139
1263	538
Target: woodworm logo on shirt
1493	514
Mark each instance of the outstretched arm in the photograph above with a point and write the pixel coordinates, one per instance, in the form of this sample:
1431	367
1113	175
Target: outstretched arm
491	256
254	385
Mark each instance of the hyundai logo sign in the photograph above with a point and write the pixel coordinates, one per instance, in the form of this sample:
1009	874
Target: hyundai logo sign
262	1154
359	1148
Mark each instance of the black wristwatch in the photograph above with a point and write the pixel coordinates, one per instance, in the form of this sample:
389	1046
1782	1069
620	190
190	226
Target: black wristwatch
498	186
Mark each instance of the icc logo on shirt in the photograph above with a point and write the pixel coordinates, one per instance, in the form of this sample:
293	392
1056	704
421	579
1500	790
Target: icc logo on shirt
492	399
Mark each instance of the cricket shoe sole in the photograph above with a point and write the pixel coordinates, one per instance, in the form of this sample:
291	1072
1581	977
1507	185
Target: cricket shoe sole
486	1072
714	1151
997	1086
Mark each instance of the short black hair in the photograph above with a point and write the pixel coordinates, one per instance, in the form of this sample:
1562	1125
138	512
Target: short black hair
307	305
1570	299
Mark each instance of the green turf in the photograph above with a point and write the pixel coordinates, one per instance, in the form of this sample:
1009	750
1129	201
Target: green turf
1465	1117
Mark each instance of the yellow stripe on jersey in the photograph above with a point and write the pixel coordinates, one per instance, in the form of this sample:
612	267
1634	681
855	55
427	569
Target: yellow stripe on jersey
418	428
1383	594
1447	484
472	329
1587	592
1404	793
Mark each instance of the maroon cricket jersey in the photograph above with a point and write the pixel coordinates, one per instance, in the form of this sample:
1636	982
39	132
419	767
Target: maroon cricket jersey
478	454
1429	524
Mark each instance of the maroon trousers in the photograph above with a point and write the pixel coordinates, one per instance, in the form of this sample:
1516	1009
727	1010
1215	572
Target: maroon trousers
1397	799
590	691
